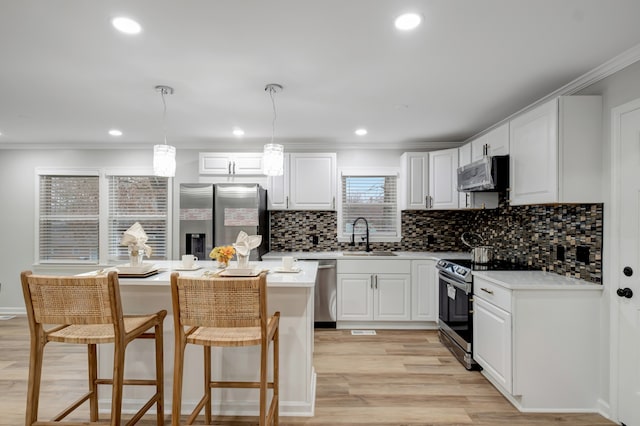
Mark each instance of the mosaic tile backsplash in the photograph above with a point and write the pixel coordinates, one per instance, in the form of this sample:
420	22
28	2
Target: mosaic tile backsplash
565	239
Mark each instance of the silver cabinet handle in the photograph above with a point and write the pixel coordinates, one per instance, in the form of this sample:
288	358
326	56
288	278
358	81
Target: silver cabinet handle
287	201
376	282
333	203
466	200
229	164
486	291
371	282
234	167
426	201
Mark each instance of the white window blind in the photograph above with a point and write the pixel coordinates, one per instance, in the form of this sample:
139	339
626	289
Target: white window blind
142	199
375	199
68	218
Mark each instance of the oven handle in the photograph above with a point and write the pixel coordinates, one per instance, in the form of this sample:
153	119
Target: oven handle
462	286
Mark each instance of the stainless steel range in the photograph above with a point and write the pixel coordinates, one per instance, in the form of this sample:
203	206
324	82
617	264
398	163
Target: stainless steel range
455	284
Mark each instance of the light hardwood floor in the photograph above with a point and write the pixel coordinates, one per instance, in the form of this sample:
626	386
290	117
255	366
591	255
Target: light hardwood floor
391	379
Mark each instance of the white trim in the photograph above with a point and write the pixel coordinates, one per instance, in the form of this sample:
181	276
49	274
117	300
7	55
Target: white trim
598	73
369	171
76	171
614	251
128	171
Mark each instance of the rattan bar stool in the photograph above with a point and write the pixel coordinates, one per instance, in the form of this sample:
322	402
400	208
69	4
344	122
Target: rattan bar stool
88	310
226	312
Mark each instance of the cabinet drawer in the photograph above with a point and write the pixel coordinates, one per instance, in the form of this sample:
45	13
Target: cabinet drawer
493	293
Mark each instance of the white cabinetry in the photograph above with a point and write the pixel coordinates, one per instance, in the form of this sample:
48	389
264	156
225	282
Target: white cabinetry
556	152
539	343
473	200
443	176
374	290
308	183
225	163
414	188
494	142
424	290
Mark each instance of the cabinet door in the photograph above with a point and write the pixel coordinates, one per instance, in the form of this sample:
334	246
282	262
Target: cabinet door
247	164
415	175
313	181
498	140
423	290
278	188
492	347
355	297
533	156
464	158
478	147
392	297
214	163
443	176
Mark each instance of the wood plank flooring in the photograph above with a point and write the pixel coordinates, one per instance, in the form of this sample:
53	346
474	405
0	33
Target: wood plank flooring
394	378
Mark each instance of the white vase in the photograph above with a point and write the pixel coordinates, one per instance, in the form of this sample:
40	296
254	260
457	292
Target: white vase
135	257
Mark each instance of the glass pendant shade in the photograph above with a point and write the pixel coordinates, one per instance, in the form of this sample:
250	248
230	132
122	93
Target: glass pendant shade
164	160
273	159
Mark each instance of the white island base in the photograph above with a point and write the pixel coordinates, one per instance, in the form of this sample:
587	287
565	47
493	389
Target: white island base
291	294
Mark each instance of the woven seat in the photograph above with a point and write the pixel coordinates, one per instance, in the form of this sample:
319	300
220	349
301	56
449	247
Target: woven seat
88	310
224	312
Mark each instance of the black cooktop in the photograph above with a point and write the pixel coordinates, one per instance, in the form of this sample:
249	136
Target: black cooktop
494	265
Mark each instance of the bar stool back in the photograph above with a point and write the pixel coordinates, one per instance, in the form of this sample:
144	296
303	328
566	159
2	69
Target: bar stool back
88	310
224	312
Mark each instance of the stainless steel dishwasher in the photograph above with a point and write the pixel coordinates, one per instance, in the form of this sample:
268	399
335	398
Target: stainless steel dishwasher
325	308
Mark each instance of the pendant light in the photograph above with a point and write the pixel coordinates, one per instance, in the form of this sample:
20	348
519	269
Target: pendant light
164	156
273	156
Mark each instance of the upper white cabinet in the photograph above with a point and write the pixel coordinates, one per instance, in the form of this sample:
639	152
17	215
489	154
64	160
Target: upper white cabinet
556	154
414	187
308	183
495	142
225	163
443	177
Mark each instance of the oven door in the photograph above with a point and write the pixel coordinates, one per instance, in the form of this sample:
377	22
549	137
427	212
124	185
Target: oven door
455	310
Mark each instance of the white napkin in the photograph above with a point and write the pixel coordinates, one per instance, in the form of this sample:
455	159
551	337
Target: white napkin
244	243
135	237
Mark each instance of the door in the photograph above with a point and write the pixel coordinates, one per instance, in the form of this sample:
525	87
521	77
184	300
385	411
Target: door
492	341
313	181
416	176
278	188
355	298
626	140
443	177
423	290
392	297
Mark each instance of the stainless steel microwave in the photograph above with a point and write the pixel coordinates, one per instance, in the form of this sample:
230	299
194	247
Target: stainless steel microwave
486	174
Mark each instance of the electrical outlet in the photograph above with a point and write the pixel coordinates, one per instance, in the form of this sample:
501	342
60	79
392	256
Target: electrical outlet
582	254
560	253
431	239
314	240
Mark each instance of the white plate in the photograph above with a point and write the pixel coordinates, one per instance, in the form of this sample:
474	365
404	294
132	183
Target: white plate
240	272
281	269
126	268
184	268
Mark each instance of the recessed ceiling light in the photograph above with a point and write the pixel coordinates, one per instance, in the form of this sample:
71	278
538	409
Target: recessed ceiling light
238	132
115	132
408	21
126	25
361	132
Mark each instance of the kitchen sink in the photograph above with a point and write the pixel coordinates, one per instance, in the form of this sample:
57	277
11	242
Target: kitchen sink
368	253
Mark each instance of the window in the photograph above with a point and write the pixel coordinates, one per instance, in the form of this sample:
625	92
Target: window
82	217
68	218
140	199
373	197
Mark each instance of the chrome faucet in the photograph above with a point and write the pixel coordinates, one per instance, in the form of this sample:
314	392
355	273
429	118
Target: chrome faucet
353	230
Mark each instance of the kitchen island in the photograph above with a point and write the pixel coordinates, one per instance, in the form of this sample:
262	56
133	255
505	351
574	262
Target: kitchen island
289	293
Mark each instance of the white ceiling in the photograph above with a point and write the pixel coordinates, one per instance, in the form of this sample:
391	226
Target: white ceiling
67	77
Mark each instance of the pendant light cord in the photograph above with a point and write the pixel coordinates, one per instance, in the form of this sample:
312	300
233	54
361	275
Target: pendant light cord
273	104
164	114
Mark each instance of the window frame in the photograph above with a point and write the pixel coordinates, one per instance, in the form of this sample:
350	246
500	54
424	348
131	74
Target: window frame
375	172
103	210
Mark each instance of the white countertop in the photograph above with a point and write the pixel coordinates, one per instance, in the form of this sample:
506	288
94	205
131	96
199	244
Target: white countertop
306	277
535	280
435	255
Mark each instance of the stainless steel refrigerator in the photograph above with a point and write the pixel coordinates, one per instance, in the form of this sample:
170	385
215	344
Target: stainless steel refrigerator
213	215
240	207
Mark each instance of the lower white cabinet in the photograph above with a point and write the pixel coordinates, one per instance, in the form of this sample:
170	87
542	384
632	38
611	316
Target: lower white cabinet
374	290
539	343
424	290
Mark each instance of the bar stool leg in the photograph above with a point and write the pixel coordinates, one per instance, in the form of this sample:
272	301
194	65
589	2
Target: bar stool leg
159	373
207	384
276	375
36	354
178	369
264	352
118	381
92	358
